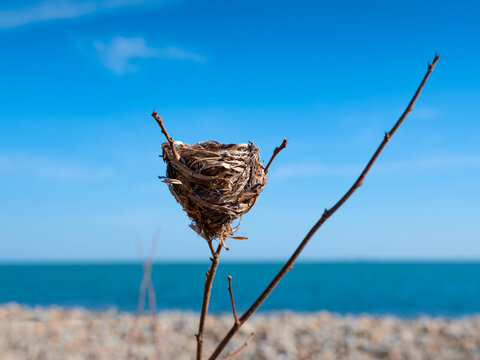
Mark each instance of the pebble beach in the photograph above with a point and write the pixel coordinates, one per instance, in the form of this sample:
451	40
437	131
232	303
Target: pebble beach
76	333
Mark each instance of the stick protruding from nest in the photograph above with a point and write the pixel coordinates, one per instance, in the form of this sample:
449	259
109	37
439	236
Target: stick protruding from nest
159	121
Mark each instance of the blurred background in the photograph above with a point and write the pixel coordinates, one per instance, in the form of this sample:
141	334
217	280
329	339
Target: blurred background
79	151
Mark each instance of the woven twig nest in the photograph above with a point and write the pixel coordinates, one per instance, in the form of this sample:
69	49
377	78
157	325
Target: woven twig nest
215	183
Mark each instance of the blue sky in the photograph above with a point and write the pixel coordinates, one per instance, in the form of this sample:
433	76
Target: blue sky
79	151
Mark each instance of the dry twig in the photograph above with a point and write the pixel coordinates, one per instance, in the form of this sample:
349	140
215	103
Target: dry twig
229	277
282	146
206	299
159	121
146	286
326	214
236	352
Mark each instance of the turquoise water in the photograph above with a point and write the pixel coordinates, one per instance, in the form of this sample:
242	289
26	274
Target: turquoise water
404	289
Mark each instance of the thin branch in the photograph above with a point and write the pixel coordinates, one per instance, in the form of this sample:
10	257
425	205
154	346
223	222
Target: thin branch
153	317
212	250
152	298
231	298
145	285
159	120
282	146
206	298
236	352
326	214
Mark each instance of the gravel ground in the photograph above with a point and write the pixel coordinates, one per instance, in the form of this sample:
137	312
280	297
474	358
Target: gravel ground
58	333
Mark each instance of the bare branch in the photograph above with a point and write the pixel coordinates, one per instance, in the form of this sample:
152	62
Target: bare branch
152	298
282	146
145	286
236	352
206	298
326	214
210	246
159	120
153	316
231	298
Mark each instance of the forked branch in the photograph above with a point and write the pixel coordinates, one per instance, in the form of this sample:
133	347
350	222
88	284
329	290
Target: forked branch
326	214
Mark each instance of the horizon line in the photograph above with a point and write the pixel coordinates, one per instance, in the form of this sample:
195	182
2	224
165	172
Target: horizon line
20	262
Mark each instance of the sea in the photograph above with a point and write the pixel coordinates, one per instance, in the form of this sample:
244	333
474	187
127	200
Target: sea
405	289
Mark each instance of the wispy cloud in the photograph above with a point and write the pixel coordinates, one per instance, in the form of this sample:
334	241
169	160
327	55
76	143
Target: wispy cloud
436	162
117	54
425	112
44	167
63	9
314	169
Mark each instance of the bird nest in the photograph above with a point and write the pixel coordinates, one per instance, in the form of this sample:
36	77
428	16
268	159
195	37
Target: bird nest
215	183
